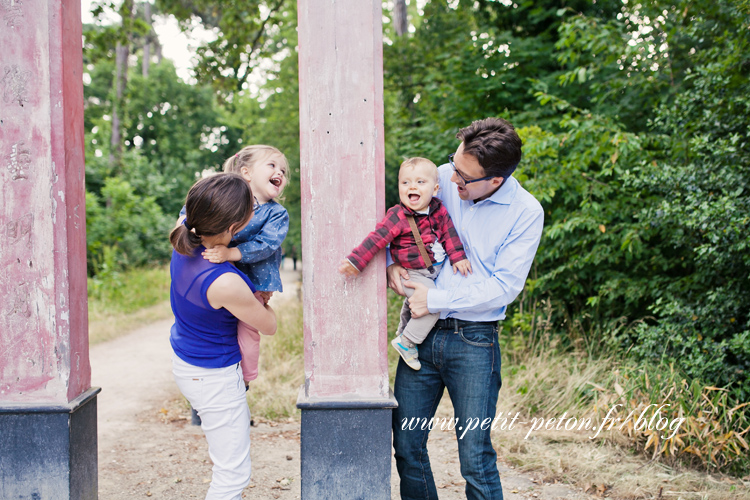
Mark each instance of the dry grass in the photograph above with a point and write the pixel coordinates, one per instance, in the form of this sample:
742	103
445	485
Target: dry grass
273	395
605	468
120	302
281	373
541	382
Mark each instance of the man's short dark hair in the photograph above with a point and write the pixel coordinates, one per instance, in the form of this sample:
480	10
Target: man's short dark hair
494	143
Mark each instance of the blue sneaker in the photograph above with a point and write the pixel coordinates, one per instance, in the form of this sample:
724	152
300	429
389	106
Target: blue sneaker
409	354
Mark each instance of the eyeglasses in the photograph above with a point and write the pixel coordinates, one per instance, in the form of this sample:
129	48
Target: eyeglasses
463	179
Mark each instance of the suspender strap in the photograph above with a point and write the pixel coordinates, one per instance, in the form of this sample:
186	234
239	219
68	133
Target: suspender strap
420	243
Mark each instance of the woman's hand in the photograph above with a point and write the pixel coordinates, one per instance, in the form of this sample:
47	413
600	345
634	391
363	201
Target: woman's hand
264	297
232	293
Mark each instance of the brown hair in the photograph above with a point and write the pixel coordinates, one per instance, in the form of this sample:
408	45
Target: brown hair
213	205
417	160
494	143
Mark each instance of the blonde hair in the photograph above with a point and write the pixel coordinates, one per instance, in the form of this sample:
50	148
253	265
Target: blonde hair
415	161
250	155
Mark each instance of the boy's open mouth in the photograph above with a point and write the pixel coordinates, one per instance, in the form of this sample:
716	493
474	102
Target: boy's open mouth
276	182
414	197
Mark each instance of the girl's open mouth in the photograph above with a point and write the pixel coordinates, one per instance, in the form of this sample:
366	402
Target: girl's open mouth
276	182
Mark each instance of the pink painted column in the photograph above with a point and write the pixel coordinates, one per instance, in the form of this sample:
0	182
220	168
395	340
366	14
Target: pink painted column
44	325
44	362
342	181
346	403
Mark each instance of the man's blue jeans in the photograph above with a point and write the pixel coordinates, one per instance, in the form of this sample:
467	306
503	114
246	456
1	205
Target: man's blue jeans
465	359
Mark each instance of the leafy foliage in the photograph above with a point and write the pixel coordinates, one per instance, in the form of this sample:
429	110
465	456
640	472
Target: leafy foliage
171	132
635	126
270	115
245	32
124	230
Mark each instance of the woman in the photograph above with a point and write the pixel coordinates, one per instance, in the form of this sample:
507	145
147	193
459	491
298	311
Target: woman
208	300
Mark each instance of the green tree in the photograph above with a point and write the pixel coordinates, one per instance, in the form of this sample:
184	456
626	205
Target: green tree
176	129
123	229
699	177
246	34
252	65
671	80
170	131
466	61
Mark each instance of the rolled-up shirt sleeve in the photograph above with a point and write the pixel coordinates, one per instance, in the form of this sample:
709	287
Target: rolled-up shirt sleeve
503	282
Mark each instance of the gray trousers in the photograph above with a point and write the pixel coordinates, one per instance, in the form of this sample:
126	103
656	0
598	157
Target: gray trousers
417	329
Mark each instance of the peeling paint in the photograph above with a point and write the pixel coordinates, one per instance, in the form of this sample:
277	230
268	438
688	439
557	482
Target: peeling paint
42	119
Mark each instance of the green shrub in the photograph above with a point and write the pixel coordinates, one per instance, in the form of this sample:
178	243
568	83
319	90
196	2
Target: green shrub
128	291
124	230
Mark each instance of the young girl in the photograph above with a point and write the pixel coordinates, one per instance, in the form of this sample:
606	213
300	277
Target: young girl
208	300
256	249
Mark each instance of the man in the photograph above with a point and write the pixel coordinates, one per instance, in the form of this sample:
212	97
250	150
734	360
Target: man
500	225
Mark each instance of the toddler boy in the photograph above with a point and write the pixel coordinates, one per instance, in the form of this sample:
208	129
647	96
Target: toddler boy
417	186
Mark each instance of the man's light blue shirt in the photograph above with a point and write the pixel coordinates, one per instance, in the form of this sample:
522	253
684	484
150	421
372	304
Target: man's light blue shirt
500	236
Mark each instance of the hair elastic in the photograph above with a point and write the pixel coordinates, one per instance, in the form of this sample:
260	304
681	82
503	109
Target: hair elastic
187	226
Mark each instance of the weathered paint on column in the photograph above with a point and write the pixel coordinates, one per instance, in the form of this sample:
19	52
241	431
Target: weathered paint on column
342	185
43	324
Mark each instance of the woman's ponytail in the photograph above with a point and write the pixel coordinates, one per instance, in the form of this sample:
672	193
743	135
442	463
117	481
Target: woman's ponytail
184	240
213	206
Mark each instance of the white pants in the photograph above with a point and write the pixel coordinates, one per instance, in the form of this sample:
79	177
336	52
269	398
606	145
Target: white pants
218	395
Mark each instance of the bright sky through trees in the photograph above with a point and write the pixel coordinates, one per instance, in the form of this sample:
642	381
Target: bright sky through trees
177	46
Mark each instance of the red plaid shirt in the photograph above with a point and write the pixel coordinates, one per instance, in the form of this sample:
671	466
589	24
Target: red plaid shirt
395	229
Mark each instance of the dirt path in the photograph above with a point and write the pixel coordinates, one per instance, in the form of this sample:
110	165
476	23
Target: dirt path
148	448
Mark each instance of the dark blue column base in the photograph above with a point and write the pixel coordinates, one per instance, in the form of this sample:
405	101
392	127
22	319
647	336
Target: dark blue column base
48	452
346	448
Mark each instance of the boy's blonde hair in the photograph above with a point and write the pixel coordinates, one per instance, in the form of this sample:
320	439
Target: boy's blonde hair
250	155
416	161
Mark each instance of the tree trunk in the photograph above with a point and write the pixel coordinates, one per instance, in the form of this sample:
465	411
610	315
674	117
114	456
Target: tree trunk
146	62
400	21
122	51
121	80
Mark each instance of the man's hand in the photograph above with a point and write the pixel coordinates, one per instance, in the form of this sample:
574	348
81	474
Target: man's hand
418	301
347	269
219	254
463	267
394	273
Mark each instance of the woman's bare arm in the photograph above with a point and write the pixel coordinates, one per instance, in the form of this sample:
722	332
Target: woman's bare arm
232	293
